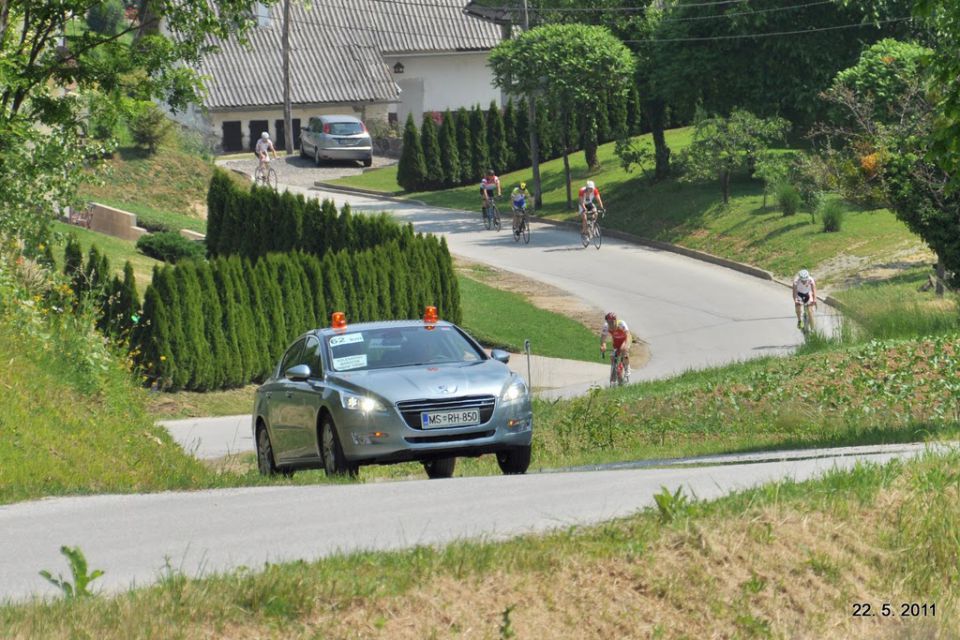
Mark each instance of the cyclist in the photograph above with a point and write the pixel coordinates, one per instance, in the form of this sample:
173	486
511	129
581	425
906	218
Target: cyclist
588	193
804	295
488	185
620	333
519	198
264	146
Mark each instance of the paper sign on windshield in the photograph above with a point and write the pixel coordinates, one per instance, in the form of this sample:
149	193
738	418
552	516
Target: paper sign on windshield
350	338
350	362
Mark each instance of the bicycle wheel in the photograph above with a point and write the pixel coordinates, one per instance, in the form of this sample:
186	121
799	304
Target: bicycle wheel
272	178
525	229
486	219
596	238
517	226
585	237
496	218
258	176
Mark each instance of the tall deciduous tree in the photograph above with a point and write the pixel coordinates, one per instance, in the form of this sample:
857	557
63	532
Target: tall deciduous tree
557	61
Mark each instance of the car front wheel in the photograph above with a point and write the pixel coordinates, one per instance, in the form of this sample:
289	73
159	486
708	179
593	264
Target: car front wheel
514	461
440	468
368	161
334	462
265	461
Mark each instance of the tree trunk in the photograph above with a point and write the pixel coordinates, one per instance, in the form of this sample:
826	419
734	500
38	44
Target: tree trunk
941	275
588	134
566	157
534	152
656	112
725	185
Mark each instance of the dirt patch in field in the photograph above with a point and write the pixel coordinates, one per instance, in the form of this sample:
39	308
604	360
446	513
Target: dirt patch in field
548	298
847	270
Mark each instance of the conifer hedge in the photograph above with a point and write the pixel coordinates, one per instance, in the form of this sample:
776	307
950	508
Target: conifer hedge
260	221
224	323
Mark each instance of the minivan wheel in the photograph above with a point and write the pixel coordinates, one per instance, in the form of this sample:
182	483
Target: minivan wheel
440	468
514	461
265	461
334	462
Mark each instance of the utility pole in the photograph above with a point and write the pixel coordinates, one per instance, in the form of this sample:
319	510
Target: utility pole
287	109
534	142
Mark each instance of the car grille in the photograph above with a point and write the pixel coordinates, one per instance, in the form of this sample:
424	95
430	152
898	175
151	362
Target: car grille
451	438
411	409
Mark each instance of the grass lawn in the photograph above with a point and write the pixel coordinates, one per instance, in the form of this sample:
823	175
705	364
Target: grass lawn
117	251
782	560
694	216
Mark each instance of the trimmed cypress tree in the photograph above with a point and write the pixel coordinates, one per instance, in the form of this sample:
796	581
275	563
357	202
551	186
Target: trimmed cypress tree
187	282
289	278
465	146
235	363
435	175
521	136
182	356
412	168
154	341
124	304
242	309
314	282
272	297
260	316
449	154
217	194
497	139
73	262
617	116
510	127
224	367
481	152
333	281
547	133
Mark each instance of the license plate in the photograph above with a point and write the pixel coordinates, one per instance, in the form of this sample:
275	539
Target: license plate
348	142
438	419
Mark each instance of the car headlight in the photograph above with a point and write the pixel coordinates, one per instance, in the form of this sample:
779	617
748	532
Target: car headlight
360	403
515	391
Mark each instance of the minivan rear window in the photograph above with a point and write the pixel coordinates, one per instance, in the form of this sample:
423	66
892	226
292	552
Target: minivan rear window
345	128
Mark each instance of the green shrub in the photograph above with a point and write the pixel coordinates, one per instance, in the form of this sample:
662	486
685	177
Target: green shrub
148	126
831	213
788	197
412	168
170	247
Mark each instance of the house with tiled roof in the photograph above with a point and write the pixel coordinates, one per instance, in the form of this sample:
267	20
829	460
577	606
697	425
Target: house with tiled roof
376	59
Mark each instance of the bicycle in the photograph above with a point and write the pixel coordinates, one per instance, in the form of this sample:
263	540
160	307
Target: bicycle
494	218
266	177
806	318
521	228
593	233
618	371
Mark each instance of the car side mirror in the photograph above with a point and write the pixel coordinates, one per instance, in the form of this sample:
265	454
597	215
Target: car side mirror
500	355
298	373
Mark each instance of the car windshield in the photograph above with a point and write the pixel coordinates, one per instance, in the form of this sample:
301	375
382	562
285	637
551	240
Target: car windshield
345	128
400	347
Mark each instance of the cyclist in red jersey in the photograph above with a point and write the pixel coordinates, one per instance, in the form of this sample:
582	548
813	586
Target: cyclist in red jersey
588	193
620	333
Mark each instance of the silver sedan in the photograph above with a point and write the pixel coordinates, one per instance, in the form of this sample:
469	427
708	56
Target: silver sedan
389	392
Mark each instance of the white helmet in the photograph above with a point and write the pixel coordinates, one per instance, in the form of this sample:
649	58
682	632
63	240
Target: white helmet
590	184
265	136
804	275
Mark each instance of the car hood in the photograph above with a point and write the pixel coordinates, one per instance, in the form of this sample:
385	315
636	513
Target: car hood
433	381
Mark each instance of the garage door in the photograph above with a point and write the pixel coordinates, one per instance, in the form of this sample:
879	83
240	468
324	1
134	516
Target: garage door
232	139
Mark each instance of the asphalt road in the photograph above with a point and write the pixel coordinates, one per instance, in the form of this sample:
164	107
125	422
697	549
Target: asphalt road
132	538
691	313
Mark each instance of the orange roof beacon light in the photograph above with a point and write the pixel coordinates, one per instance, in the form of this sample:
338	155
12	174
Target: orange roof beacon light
430	315
338	320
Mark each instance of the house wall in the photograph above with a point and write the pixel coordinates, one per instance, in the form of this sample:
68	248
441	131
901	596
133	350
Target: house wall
447	81
211	123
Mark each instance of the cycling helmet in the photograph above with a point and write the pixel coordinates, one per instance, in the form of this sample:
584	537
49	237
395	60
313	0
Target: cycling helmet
590	184
490	172
611	316
523	185
265	136
804	275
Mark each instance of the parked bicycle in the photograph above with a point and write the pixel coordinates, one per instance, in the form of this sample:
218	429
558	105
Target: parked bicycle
521	225
593	233
265	176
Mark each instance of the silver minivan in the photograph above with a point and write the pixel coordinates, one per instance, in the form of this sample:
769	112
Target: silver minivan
336	138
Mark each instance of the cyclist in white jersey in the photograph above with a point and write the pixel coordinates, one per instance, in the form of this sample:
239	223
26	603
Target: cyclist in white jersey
263	147
804	295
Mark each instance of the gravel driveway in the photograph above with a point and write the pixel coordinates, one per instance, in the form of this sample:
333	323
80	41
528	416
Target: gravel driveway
303	172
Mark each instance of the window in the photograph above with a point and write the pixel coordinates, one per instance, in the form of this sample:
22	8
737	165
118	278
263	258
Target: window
311	357
290	358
